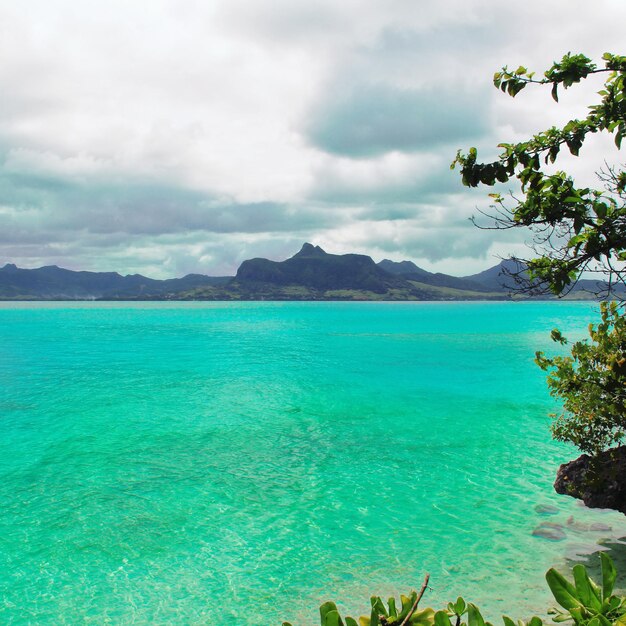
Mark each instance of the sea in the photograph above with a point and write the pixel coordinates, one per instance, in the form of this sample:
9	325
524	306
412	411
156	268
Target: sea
240	463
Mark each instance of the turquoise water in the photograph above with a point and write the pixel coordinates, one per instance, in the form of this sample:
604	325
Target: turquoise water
170	463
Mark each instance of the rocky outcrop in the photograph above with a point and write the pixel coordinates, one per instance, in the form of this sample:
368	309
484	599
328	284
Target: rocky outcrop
600	482
315	269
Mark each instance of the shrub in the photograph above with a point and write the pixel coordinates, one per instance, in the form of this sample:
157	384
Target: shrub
592	384
582	601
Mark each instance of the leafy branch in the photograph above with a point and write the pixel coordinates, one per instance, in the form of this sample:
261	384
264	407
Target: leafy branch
576	228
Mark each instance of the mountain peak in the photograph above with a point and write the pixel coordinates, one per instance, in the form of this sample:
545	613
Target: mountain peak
402	268
309	250
10	266
512	265
502	276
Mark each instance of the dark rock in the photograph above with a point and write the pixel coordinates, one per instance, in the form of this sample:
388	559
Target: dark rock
546	509
600	482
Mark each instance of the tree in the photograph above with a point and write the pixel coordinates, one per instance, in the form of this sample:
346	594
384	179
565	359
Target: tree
575	230
592	384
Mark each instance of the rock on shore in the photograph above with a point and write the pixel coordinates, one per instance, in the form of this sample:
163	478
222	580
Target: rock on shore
599	482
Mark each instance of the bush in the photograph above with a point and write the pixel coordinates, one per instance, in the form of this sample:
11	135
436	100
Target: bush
592	384
582	601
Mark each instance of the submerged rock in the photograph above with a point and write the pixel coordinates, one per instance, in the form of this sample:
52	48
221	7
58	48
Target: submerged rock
552	532
600	482
546	509
576	525
555	525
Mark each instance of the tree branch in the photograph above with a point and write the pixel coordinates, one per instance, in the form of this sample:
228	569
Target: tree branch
419	597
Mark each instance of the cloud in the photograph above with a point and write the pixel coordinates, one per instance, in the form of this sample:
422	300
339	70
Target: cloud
373	119
167	137
392	178
34	204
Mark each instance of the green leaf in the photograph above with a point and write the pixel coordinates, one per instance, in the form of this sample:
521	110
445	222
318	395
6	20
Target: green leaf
556	336
474	617
378	609
555	95
425	617
460	606
379	605
562	590
332	618
407	603
584	587
351	622
326	608
612	603
507	621
609	574
442	619
393	612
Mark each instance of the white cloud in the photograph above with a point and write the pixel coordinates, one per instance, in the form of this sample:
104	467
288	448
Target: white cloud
178	118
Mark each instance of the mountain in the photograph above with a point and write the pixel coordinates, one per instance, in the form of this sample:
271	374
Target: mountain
402	268
55	283
501	277
315	269
311	274
409	271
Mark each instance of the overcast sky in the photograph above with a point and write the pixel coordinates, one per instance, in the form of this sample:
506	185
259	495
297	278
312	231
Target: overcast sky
175	136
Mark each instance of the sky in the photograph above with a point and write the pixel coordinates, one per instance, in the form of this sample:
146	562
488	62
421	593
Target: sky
173	136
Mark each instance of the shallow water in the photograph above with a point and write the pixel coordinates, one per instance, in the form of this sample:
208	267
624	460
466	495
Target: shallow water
190	463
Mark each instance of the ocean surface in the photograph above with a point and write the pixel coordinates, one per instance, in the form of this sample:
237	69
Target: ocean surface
239	463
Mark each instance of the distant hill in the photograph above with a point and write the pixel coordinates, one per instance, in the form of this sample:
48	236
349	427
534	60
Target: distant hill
311	274
409	271
402	268
501	277
55	283
318	270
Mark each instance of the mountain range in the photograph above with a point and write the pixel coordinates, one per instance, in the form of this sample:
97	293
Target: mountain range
311	274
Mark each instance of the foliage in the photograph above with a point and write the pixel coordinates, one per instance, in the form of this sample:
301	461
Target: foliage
584	602
576	228
592	384
380	614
